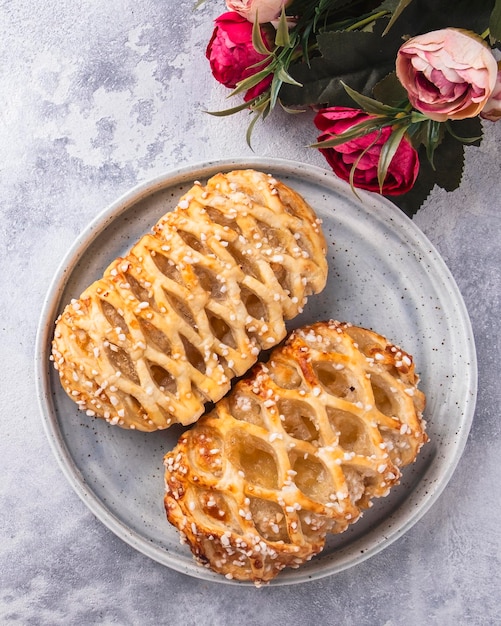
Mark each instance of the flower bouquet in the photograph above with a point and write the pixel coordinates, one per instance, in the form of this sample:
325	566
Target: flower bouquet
398	86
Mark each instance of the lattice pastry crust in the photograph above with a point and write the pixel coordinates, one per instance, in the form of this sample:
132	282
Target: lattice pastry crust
193	303
295	451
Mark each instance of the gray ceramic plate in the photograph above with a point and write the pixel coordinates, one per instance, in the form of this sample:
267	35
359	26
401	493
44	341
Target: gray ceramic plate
384	274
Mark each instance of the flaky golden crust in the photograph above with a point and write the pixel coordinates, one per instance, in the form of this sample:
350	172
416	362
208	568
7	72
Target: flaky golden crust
169	325
297	450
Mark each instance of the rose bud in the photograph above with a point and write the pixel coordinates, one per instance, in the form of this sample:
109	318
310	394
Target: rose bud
448	73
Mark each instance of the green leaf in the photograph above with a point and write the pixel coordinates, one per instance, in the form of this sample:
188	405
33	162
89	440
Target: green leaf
449	163
250	128
257	39
411	201
282	39
235	109
264	106
276	83
359	59
495	22
249	82
358	130
465	140
403	4
466	131
390	91
292	111
388	151
355	165
433	137
448	172
286	77
369	105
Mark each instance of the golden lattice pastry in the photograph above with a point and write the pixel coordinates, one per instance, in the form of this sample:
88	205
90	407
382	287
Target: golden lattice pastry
192	304
295	451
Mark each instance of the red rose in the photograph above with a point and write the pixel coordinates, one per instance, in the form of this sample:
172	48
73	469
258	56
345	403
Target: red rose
403	168
231	53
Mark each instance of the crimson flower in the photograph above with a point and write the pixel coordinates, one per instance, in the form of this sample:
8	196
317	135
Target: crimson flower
357	159
232	55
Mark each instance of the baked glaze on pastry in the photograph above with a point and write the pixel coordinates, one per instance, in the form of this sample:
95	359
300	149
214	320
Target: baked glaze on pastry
297	450
192	304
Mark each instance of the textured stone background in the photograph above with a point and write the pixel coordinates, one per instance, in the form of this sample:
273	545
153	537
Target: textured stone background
94	97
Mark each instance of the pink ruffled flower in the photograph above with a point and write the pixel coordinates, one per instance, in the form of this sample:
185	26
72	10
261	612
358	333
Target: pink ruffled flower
365	152
265	10
232	55
492	108
448	74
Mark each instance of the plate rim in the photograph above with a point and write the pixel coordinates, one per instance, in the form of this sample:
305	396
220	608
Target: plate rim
51	303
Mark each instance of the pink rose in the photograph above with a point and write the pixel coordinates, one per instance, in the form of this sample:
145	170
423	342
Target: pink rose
448	74
492	108
266	10
232	55
365	152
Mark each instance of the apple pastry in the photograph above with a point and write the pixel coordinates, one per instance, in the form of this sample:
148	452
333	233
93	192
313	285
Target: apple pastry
297	450
193	303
